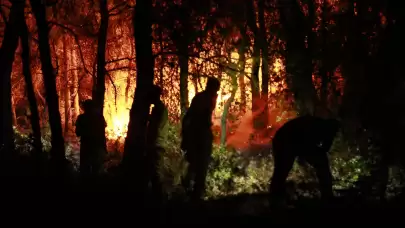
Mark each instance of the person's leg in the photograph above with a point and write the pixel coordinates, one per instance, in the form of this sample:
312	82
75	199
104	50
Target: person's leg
200	178
202	165
320	162
85	164
190	175
283	163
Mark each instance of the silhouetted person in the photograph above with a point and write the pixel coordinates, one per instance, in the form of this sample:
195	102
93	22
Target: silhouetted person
309	139
155	138
89	127
197	137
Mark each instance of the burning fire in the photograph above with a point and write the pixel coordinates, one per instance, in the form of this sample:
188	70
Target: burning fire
118	98
117	105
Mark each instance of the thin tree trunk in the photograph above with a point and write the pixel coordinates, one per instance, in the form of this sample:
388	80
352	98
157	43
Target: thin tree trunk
183	63
35	124
182	47
323	71
7	51
128	86
67	86
265	65
162	60
228	103
241	67
58	151
135	141
13	108
76	100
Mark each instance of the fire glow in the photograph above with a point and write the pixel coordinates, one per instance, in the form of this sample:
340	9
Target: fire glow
120	90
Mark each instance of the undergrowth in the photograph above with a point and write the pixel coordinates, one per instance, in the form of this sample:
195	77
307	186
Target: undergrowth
230	173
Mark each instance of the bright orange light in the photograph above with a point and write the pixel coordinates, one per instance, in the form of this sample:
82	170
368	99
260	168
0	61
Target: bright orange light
117	106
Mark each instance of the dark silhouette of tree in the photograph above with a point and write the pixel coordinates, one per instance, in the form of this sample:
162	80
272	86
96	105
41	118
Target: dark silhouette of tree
25	55
98	94
7	51
297	31
135	141
58	149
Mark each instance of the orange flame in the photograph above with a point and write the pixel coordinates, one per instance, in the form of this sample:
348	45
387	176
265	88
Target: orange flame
117	106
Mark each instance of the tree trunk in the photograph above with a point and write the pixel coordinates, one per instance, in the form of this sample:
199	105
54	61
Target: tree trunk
182	42
98	95
241	67
228	103
323	71
13	110
36	128
135	141
183	63
76	100
7	51
67	86
298	56
128	86
254	81
265	66
58	158
162	59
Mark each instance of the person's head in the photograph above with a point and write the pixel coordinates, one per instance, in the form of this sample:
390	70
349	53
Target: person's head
155	94
88	106
213	85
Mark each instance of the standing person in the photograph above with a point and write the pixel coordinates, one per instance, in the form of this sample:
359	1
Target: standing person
155	139
89	125
197	137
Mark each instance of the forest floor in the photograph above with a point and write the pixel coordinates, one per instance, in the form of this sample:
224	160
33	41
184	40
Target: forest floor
110	203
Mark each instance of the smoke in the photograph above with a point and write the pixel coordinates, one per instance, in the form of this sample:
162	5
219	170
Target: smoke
246	135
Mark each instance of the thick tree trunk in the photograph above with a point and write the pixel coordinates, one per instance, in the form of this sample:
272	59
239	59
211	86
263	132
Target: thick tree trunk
254	81
36	129
58	158
67	86
299	56
135	141
7	51
98	95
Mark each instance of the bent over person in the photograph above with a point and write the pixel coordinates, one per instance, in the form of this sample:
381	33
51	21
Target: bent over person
197	137
89	127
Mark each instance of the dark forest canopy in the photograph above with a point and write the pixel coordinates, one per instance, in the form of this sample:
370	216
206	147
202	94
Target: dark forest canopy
276	59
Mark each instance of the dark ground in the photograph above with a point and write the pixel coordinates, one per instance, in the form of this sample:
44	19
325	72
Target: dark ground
106	200
102	203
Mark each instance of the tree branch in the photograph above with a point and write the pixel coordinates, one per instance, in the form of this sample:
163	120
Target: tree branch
118	60
77	42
